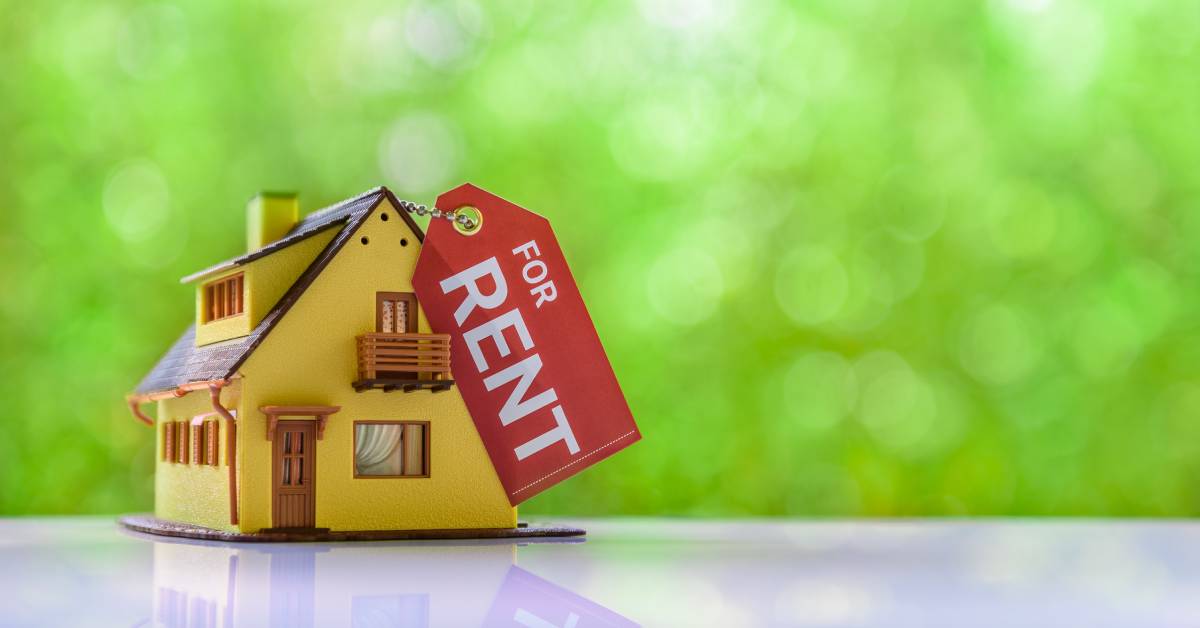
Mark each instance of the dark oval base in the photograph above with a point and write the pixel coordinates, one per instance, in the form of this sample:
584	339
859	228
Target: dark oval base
153	525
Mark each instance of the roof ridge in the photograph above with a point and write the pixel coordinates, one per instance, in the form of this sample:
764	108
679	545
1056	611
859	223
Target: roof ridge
309	225
300	286
342	203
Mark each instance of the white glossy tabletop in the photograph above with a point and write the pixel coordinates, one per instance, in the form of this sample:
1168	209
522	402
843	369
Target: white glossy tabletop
87	572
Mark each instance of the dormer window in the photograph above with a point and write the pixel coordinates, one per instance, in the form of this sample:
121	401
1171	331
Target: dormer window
223	298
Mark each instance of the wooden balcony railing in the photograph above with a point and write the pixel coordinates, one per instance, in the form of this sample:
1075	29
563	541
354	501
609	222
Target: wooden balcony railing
403	361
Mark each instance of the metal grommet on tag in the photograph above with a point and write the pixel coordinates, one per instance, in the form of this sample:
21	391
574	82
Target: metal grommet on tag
473	222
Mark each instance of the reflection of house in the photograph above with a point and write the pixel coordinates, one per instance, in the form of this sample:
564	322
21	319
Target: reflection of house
205	585
310	393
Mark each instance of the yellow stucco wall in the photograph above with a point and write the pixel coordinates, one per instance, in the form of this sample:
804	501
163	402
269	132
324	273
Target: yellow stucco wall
192	492
310	359
265	280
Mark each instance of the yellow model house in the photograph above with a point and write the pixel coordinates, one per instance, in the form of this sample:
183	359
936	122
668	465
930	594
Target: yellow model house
310	395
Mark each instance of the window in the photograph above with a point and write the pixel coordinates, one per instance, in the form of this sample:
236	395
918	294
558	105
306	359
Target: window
223	298
391	449
204	450
181	444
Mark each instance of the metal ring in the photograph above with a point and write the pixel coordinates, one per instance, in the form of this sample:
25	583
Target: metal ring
472	215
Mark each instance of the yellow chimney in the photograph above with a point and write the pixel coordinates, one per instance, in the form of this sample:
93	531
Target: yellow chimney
269	216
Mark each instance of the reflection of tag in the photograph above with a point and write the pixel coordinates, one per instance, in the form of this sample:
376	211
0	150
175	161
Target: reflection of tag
523	350
527	600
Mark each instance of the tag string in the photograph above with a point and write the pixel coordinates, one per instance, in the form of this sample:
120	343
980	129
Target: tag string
452	216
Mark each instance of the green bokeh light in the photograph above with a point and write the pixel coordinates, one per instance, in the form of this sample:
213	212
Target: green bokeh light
857	257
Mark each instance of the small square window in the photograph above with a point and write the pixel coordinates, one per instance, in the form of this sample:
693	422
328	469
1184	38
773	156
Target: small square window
223	298
386	449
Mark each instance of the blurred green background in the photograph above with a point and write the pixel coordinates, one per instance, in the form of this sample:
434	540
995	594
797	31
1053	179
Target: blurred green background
853	257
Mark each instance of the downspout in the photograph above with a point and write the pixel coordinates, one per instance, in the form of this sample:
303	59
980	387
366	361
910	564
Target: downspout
135	408
214	391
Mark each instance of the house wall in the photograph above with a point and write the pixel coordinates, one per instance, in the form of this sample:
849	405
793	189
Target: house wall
194	584
310	358
265	280
191	492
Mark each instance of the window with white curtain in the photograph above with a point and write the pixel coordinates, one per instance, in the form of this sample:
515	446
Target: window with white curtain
391	449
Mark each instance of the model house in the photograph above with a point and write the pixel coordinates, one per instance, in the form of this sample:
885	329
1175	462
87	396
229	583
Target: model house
310	392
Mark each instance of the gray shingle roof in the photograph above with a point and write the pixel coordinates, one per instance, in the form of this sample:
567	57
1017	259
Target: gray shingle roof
185	363
310	225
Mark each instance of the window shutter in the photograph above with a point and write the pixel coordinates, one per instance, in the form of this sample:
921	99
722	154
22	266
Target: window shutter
169	441
414	449
181	451
197	444
238	306
212	429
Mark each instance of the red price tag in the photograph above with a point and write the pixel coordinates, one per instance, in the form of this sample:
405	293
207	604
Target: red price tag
523	350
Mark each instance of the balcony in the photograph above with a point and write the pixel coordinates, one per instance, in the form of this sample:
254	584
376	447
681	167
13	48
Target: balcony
404	362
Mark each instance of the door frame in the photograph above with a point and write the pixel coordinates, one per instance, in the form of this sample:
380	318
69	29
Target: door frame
310	429
410	324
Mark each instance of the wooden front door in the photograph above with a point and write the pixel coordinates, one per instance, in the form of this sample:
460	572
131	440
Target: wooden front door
294	473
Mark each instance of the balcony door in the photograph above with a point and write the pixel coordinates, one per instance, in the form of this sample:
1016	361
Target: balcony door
396	313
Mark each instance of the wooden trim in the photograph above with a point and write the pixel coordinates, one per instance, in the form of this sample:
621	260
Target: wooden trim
407	385
426	465
320	413
223	298
410	356
299	410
